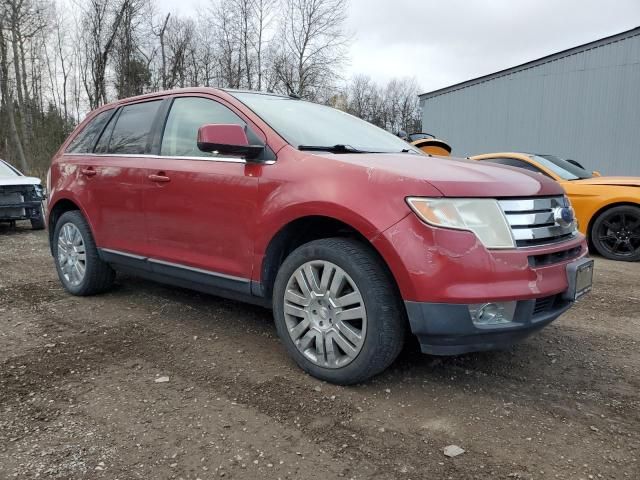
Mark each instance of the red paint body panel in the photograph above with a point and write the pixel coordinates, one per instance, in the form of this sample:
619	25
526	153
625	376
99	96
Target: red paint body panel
221	216
204	216
111	199
229	134
451	266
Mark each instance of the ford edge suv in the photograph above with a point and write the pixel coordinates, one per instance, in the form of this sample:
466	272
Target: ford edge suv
351	235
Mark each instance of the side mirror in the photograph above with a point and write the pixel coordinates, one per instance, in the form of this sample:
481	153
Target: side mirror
227	140
596	173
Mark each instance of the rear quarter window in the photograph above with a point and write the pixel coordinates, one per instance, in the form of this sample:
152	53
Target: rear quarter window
86	139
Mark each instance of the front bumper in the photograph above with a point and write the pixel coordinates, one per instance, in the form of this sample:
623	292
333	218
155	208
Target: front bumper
440	272
20	202
447	329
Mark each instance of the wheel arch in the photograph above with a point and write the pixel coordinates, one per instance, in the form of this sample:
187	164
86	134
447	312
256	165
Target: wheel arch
603	210
302	230
60	207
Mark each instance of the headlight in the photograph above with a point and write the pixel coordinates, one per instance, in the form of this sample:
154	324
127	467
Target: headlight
482	216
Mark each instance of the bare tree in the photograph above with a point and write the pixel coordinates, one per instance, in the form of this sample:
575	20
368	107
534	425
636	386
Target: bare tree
312	45
103	20
7	98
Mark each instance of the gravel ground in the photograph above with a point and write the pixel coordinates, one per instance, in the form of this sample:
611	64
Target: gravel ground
82	393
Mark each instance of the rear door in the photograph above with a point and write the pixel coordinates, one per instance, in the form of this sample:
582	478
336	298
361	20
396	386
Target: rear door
200	207
111	178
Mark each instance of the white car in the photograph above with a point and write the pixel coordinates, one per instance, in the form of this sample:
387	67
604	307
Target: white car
21	197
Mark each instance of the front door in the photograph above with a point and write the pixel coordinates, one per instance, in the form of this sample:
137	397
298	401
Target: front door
200	207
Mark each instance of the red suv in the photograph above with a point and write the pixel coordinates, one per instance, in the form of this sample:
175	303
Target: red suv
350	234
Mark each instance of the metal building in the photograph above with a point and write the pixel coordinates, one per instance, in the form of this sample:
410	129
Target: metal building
582	103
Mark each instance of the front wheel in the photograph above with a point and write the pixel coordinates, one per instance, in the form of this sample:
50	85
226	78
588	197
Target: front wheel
615	234
337	311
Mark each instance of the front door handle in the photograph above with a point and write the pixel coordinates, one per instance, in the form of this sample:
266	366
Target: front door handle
160	178
88	172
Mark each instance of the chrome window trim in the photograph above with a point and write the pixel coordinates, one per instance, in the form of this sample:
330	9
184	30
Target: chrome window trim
166	157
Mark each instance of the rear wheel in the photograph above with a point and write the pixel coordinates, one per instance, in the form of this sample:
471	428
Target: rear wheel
337	311
77	261
615	234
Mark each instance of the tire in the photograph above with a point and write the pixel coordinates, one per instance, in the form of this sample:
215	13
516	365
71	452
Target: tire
38	223
375	335
97	276
615	234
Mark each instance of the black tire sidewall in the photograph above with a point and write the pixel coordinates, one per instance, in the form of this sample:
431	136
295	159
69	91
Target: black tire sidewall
597	225
379	311
91	254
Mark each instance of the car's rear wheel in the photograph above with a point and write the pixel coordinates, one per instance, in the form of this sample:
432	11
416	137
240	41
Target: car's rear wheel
77	261
615	234
38	223
337	311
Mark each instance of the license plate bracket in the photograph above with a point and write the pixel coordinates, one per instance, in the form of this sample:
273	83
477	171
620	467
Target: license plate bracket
580	279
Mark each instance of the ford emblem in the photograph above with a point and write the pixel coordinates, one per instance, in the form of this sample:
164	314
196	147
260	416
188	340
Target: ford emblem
564	216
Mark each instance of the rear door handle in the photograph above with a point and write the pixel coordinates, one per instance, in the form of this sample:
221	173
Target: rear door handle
159	178
88	172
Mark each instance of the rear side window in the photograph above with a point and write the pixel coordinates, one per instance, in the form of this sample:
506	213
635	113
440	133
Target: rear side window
86	139
130	134
187	115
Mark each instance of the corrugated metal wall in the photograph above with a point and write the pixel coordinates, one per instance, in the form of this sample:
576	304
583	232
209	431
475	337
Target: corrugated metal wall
585	106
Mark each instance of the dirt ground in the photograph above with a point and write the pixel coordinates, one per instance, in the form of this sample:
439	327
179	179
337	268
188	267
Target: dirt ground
79	396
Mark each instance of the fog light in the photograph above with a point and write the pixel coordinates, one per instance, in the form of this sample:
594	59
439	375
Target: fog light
492	313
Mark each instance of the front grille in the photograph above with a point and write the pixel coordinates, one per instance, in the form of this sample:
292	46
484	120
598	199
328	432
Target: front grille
554	257
533	220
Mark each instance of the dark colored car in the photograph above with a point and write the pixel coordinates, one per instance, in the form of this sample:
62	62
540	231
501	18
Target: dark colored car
351	235
21	197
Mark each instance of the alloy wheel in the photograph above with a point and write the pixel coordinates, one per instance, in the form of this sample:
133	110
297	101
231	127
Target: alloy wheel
619	233
72	257
325	314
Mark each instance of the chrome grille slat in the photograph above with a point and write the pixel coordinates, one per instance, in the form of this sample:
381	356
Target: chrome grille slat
533	220
526	219
527	205
540	233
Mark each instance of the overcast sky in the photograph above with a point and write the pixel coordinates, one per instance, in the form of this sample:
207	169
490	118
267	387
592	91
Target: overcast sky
448	41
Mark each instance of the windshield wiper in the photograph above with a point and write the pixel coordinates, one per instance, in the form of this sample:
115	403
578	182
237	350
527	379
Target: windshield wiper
339	148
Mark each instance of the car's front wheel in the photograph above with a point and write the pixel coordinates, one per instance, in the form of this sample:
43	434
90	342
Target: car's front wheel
337	311
615	234
79	266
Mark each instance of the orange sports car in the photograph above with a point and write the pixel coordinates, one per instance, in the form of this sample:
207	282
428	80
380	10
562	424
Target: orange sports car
607	208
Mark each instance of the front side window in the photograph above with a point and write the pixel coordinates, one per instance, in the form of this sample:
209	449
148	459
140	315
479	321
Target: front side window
86	139
131	132
186	116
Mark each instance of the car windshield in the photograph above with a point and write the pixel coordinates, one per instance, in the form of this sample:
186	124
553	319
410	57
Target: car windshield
309	124
562	168
7	171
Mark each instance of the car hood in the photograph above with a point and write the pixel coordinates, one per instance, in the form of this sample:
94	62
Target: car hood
610	181
8	181
456	177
